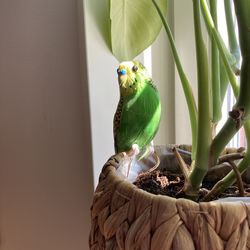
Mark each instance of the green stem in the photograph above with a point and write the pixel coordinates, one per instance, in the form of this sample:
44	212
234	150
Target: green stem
223	81
233	46
215	66
220	44
233	43
229	179
242	9
184	80
204	125
230	127
221	139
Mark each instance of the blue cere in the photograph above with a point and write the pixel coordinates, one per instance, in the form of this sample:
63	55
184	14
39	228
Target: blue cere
122	72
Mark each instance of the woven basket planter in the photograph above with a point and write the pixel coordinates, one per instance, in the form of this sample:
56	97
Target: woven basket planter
125	217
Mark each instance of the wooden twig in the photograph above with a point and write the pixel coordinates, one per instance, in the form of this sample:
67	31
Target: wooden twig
231	157
183	151
214	191
157	159
182	164
238	177
219	186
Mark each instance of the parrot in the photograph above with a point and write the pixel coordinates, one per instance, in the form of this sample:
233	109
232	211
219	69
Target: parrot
137	117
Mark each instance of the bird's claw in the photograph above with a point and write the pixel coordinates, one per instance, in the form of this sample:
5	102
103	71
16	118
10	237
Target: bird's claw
132	152
151	148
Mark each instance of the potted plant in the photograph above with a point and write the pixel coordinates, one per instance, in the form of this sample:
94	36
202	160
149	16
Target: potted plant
126	217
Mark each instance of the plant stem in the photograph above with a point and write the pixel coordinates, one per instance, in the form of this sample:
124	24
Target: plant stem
229	179
223	81
221	139
215	66
233	43
233	46
230	127
242	9
222	49
204	124
220	186
243	16
184	80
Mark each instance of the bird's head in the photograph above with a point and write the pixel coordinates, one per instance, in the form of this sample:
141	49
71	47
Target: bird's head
131	76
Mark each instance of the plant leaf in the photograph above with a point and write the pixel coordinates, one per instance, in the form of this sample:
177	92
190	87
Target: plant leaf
135	24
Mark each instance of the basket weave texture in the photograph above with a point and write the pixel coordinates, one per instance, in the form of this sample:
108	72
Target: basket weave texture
125	217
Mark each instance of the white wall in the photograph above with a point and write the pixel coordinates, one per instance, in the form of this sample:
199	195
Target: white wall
45	157
185	43
103	87
163	72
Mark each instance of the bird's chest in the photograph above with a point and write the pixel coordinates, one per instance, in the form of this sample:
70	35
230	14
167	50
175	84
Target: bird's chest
135	108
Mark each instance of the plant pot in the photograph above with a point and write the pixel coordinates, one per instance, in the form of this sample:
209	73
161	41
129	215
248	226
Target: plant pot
125	217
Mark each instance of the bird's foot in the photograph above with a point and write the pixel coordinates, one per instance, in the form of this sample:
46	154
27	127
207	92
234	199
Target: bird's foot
133	151
151	148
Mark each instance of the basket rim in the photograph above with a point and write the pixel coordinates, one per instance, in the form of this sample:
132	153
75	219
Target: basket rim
112	164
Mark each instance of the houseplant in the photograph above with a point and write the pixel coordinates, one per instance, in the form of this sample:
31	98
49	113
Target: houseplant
127	218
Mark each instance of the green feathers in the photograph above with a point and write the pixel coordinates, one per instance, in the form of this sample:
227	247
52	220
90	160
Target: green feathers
138	113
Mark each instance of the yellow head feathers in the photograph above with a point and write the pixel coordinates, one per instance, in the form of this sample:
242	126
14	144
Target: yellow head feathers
130	74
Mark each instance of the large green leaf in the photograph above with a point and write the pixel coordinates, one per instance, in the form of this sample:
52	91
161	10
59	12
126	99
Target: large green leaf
135	24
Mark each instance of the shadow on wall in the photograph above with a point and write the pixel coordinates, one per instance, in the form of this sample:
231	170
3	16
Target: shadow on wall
46	175
100	12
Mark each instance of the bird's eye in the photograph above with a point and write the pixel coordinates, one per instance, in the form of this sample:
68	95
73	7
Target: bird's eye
118	70
135	68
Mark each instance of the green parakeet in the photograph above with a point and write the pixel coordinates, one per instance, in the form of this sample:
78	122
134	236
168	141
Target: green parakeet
137	117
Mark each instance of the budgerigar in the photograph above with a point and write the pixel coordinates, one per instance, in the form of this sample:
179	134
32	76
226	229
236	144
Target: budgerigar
137	117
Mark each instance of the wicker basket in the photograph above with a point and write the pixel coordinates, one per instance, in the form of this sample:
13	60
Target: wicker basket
125	217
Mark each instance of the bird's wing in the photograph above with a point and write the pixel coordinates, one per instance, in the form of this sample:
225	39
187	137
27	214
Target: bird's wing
139	120
117	117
